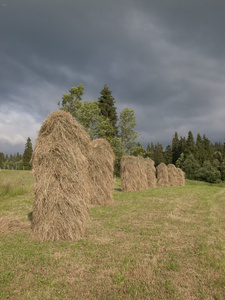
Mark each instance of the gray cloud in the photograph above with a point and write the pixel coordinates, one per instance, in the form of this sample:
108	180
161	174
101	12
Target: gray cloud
164	59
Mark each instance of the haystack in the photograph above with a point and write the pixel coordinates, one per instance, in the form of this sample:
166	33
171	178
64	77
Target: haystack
101	168
130	174
143	172
151	172
162	175
62	191
173	176
181	177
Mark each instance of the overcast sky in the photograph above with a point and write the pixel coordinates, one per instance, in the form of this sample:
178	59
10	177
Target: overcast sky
165	59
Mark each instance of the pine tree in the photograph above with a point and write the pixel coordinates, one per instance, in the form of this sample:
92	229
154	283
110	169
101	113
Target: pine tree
199	154
190	144
27	154
168	155
2	159
182	145
158	154
107	106
175	148
148	151
208	148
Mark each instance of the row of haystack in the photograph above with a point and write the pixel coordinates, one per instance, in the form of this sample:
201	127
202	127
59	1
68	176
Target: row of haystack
71	172
139	173
169	175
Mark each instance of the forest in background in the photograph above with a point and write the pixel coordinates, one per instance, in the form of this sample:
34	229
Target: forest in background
198	158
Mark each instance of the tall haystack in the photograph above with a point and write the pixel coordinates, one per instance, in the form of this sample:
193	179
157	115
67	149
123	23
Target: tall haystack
143	172
181	177
173	176
101	168
162	175
62	191
151	172
130	174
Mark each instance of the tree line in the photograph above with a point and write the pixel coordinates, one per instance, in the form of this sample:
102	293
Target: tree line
199	159
17	161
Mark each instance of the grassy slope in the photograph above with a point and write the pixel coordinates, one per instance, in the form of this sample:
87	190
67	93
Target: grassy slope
162	243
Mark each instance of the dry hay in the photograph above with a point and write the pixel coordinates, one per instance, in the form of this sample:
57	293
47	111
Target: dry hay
162	175
13	225
181	177
60	166
173	176
143	172
130	174
101	168
151	172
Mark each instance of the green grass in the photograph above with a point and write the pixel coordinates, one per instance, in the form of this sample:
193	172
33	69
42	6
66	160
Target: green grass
162	243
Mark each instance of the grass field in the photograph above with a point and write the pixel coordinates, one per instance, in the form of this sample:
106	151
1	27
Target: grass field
162	243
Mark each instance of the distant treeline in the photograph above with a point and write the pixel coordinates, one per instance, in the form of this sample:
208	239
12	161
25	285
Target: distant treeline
17	161
199	159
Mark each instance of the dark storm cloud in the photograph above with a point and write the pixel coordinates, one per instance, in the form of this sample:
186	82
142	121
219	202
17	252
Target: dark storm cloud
163	58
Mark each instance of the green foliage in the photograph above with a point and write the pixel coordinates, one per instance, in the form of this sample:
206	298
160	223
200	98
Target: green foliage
175	148
107	107
72	102
190	144
27	154
168	155
89	117
208	173
100	119
128	135
180	161
190	167
158	154
138	150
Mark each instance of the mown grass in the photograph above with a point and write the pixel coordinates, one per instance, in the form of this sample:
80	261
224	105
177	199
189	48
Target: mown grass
162	243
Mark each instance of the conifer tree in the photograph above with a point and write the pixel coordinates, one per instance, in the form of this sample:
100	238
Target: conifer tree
168	155
148	151
158	154
190	144
27	154
2	158
106	104
175	148
199	150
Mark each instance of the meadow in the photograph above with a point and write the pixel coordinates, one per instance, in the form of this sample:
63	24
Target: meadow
161	243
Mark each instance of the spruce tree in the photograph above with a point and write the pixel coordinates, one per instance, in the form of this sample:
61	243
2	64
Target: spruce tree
168	155
190	144
175	148
106	104
148	151
199	150
27	154
2	159
158	154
